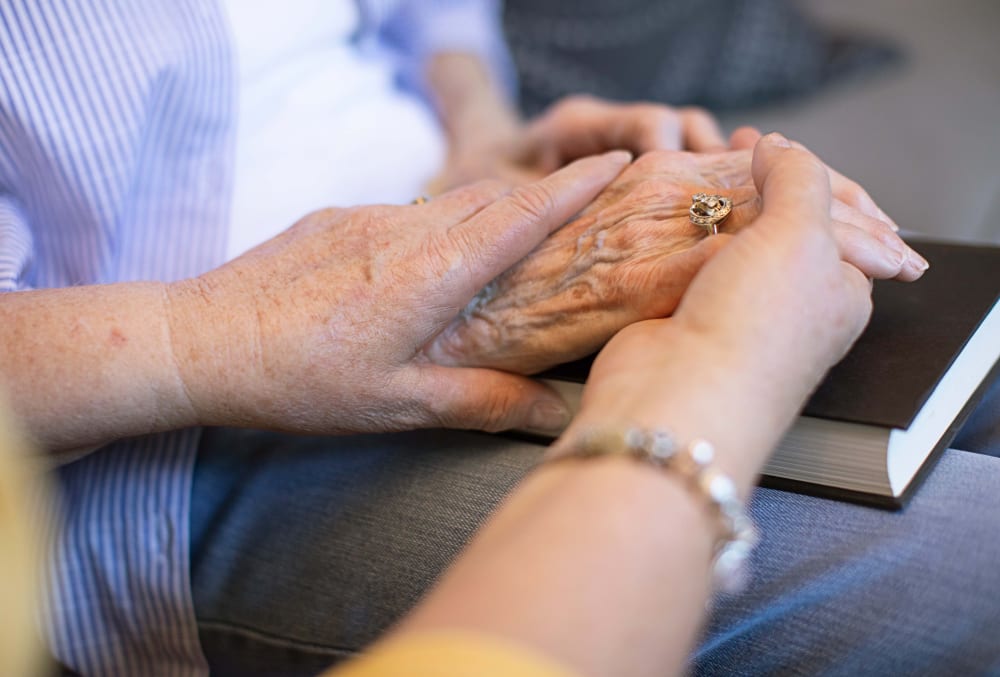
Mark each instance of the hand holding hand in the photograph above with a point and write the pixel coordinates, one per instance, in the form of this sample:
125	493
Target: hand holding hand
323	328
630	256
757	329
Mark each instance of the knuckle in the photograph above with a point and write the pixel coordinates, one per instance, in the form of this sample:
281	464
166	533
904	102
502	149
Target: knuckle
497	410
696	112
654	161
661	194
377	220
853	187
441	415
322	218
858	195
491	413
535	201
442	406
489	189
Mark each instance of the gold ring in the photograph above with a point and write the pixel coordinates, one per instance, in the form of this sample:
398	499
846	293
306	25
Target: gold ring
708	211
422	200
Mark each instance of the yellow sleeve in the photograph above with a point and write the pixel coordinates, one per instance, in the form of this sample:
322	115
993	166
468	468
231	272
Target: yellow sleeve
450	654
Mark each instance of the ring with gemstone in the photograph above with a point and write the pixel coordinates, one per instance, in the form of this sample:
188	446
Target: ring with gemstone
708	211
421	200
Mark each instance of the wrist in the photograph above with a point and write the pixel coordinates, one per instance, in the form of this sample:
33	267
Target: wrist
697	391
694	465
209	354
91	364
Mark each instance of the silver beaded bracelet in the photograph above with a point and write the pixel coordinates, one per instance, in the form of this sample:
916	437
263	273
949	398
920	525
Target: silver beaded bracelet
693	463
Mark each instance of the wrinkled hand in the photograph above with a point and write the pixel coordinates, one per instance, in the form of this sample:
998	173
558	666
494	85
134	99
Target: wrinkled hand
574	128
757	329
322	328
631	255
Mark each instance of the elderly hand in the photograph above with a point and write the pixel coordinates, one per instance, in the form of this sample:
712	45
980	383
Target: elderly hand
631	255
322	328
757	329
574	128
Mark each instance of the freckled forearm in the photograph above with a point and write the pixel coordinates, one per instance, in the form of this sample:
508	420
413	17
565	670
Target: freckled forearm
86	365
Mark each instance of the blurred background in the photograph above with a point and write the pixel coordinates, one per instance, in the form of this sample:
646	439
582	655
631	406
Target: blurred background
902	95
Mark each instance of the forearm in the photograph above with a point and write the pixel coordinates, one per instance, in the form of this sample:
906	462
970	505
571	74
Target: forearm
474	111
601	565
604	565
86	365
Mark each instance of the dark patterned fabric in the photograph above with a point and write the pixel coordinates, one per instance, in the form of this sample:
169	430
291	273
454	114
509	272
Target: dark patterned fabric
720	54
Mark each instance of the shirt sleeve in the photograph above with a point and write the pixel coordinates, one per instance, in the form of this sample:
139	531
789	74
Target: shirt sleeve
451	654
420	28
16	246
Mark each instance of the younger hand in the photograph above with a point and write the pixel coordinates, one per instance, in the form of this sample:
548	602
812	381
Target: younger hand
757	329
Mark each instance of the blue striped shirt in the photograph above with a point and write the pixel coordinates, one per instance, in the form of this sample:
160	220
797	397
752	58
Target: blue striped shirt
117	122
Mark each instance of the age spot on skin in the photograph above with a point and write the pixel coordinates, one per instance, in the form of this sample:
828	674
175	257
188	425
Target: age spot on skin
117	338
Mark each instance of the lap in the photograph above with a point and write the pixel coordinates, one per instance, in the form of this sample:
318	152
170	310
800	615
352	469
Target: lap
844	589
306	549
981	433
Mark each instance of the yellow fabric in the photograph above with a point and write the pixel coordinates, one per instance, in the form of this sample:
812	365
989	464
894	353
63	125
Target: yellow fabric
19	646
451	654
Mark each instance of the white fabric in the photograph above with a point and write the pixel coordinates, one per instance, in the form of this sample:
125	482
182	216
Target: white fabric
321	119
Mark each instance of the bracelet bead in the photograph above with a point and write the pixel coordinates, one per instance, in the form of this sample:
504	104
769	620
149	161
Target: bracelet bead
692	463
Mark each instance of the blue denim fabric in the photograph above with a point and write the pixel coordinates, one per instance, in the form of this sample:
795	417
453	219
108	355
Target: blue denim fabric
981	433
306	549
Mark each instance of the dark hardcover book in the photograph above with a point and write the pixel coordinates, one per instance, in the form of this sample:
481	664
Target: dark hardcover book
882	416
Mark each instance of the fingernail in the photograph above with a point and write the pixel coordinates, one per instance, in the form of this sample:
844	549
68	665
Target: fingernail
621	156
898	251
918	261
778	139
550	416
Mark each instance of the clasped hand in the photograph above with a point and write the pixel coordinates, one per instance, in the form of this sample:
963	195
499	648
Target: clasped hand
631	255
324	328
376	318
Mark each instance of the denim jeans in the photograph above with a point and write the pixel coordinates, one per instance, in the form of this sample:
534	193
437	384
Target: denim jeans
305	549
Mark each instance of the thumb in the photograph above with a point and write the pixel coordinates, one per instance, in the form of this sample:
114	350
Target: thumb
794	184
490	400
